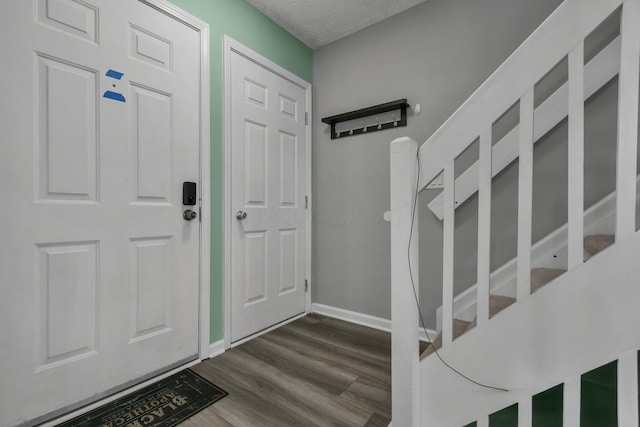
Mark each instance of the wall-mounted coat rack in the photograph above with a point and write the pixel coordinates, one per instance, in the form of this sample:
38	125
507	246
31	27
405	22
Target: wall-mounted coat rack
370	119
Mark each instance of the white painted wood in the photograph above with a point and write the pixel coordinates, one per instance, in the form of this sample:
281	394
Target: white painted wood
598	219
571	402
600	69
525	411
527	65
89	307
352	316
483	421
205	192
309	195
216	349
234	51
448	230
576	157
549	338
405	391
484	227
205	174
205	165
365	320
628	120
628	389
525	195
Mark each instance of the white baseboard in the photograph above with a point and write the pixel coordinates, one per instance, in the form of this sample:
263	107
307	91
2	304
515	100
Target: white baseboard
216	348
362	319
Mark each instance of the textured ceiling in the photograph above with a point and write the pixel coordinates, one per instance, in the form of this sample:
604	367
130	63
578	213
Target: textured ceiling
320	22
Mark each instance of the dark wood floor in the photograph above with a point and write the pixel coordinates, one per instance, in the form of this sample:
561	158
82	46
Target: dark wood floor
315	371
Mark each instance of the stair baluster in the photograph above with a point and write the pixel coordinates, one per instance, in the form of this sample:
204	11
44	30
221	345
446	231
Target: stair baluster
484	227
575	174
447	256
525	192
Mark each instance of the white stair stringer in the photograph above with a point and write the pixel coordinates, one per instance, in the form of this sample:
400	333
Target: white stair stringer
588	318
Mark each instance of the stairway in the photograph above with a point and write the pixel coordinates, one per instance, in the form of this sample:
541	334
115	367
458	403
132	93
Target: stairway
539	278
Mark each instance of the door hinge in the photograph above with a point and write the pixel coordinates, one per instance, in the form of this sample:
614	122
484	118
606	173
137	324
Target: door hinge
306	202
306	285
306	118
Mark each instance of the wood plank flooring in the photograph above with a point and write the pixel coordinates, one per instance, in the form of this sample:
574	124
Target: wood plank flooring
315	371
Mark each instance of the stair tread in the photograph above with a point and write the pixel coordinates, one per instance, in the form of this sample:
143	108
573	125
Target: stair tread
598	242
541	276
497	303
459	328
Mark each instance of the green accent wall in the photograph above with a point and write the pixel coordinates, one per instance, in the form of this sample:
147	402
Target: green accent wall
599	397
507	417
548	407
245	24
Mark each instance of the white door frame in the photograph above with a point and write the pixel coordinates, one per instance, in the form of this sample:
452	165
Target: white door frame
231	45
205	163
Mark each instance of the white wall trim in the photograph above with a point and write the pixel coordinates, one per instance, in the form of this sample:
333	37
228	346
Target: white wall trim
216	348
363	319
230	45
202	28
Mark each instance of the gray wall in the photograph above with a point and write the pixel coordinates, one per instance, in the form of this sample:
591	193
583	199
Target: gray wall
435	54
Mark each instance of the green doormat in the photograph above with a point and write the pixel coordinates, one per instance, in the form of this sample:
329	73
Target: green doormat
163	404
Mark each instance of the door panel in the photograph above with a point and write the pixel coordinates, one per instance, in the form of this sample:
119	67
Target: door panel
288	258
68	104
68	302
255	267
100	272
268	172
153	146
76	18
256	162
151	271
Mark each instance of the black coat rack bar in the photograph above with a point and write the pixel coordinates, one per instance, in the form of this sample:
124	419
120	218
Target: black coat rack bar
400	104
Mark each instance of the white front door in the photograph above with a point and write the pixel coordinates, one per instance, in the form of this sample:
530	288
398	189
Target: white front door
268	184
99	271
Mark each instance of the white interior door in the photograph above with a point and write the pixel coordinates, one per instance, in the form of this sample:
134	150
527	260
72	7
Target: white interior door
268	184
100	272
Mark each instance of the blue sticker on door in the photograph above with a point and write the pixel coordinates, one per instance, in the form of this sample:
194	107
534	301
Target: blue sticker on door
114	95
117	75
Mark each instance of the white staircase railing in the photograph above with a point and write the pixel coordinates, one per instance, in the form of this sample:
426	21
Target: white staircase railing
561	35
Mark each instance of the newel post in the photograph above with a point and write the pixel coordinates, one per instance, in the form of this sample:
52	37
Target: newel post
405	378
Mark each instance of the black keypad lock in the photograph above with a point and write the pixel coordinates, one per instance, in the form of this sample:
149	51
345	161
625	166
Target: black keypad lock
189	196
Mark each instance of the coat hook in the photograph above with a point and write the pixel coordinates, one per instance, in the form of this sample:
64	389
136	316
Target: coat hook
364	128
379	125
395	121
351	131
